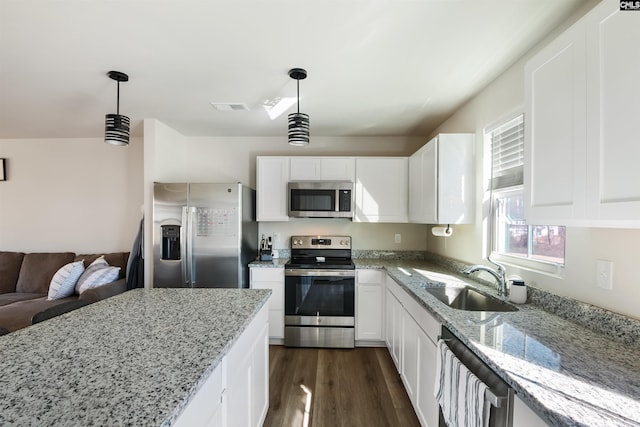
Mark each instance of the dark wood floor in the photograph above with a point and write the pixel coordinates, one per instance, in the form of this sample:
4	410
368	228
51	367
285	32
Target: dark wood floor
335	388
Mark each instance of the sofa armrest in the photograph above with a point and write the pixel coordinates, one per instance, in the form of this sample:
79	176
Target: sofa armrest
104	291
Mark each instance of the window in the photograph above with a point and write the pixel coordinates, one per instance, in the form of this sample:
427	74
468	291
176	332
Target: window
512	236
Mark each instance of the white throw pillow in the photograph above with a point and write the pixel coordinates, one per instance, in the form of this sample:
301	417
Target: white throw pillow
99	261
64	281
97	275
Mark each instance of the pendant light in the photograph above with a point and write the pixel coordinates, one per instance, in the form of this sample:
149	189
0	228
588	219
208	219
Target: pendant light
116	129
298	122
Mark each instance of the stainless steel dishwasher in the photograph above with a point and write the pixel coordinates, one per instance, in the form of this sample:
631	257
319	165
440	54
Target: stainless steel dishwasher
498	394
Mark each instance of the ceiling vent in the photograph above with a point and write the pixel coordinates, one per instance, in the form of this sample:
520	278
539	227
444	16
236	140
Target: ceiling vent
230	106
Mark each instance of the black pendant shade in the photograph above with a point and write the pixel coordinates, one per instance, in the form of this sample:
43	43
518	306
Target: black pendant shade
116	128
298	122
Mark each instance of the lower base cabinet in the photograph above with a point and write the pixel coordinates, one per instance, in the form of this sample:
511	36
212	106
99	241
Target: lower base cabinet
411	336
272	279
236	394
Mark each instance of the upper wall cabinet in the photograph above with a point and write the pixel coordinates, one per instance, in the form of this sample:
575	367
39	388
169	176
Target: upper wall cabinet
272	176
442	181
322	169
581	127
381	189
613	112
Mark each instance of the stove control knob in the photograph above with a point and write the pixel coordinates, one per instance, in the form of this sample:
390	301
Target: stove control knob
344	242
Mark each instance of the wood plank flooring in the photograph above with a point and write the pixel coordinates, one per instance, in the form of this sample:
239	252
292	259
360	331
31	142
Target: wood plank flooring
336	388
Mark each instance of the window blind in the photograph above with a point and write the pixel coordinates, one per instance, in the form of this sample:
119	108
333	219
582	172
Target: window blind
507	154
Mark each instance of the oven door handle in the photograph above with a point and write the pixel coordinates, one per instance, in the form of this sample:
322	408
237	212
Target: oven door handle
325	273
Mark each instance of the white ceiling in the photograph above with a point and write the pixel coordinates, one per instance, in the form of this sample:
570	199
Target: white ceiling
376	67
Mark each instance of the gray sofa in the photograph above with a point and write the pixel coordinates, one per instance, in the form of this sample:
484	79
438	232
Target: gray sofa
24	285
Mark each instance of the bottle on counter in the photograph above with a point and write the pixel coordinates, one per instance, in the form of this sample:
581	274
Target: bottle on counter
518	292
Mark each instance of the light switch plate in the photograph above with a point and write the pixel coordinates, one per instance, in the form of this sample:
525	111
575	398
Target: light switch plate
398	238
604	274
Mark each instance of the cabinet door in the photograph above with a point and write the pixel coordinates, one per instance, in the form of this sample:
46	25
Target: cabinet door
456	178
273	279
369	313
248	375
304	168
393	315
426	403
272	175
409	355
381	189
369	304
337	169
429	177
613	110
555	130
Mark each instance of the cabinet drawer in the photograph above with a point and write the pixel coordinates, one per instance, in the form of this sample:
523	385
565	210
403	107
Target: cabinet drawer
267	274
370	276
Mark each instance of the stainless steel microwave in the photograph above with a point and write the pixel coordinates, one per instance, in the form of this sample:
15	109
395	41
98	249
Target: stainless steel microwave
320	199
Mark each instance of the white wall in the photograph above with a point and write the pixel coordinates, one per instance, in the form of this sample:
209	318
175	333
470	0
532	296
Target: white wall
78	195
584	245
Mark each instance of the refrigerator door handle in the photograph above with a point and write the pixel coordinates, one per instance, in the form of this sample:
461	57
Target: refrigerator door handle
185	251
191	260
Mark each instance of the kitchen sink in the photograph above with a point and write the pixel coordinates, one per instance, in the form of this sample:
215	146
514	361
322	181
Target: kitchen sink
469	299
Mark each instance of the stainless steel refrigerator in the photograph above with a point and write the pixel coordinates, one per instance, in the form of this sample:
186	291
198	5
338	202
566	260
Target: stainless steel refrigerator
204	235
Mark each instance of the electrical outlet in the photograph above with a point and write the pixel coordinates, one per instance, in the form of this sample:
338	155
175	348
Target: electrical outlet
276	239
398	238
604	274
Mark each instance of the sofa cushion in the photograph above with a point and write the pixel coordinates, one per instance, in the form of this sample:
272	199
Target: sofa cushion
97	274
116	259
38	269
12	297
64	281
10	263
19	314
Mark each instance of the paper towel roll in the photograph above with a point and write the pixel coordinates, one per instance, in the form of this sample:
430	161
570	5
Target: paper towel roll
442	231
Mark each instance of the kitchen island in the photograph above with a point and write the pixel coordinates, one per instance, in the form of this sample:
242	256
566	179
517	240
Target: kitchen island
135	359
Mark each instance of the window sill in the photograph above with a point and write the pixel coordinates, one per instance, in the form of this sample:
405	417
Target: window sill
541	267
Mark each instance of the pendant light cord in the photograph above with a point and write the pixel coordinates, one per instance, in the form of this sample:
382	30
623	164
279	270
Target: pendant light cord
118	99
298	92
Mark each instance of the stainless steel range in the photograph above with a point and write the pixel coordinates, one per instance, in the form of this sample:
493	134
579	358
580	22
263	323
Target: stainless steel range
319	293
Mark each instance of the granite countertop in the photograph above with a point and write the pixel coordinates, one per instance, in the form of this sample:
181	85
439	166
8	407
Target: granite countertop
569	374
133	359
275	263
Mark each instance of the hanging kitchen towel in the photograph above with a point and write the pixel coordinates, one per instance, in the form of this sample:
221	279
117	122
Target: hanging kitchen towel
459	392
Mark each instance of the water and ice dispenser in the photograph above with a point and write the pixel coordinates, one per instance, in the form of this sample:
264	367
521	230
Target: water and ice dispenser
170	242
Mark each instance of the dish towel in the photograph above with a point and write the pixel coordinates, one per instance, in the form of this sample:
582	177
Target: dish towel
459	392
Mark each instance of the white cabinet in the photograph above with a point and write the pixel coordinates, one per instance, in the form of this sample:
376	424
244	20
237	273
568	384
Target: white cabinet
272	176
381	189
523	416
247	391
555	130
442	181
393	326
322	169
613	109
369	304
273	279
236	393
411	338
581	124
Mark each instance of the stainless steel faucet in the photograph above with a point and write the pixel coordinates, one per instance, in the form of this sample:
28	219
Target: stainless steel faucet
499	273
